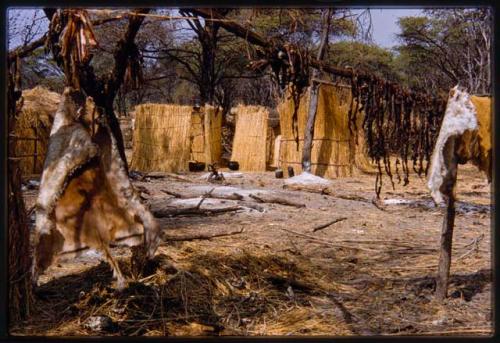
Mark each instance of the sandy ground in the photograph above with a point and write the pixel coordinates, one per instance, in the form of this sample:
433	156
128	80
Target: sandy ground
369	274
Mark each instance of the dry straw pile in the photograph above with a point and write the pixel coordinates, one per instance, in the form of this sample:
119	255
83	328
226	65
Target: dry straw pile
31	134
334	151
166	137
251	138
204	293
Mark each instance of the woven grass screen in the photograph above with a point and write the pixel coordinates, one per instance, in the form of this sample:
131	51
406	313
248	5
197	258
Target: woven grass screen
32	130
206	135
251	147
167	137
334	151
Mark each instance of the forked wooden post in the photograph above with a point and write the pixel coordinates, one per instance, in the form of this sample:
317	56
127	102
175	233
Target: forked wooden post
448	189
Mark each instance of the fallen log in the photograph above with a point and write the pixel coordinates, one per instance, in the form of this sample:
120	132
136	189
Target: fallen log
274	199
170	211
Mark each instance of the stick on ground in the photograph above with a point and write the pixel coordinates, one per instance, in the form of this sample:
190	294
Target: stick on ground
275	200
201	236
324	226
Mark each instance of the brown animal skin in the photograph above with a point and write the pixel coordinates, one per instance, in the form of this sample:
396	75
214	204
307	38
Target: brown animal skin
86	199
475	146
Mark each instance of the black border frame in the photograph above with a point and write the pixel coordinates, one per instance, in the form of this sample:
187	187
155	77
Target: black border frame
248	3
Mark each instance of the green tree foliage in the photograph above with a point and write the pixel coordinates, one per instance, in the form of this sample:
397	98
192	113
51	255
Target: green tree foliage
437	50
445	47
364	58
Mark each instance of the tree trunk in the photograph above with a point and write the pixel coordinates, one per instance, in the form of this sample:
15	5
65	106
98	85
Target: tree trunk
20	286
114	125
208	40
313	97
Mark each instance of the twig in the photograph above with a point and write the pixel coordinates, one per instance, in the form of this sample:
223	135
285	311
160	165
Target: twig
28	213
204	196
325	241
178	177
475	241
377	205
311	189
232	196
174	194
455	331
352	197
201	236
276	200
146	278
324	226
358	198
465	254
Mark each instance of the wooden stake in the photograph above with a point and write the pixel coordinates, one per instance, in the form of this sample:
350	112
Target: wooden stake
445	254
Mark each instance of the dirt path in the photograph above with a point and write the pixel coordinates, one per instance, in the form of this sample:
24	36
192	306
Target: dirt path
370	273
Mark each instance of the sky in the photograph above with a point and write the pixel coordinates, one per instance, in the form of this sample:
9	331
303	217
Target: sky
385	27
384	22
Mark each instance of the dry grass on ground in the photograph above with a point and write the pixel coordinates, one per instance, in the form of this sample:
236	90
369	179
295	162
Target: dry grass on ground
370	274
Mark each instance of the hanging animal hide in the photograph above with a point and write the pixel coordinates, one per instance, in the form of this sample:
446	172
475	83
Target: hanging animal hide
465	135
86	198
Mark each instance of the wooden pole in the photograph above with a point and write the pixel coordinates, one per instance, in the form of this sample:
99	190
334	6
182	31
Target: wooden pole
445	254
35	149
207	134
313	97
448	222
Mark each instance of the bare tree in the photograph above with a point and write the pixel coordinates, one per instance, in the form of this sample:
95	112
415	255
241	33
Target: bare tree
104	88
451	46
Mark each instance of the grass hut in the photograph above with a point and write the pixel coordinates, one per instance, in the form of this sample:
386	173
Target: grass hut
334	151
32	130
166	137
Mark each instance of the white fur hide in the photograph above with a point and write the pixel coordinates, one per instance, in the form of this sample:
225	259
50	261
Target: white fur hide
460	116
